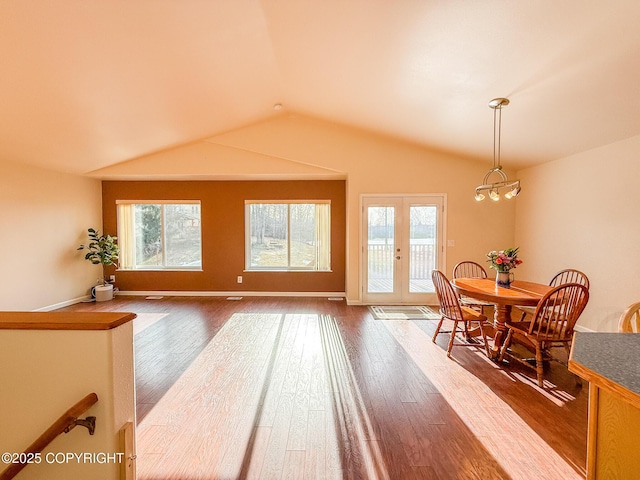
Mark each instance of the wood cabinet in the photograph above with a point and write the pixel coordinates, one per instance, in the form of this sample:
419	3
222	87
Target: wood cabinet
610	362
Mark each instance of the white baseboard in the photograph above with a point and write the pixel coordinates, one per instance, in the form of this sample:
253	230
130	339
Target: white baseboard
579	328
176	293
66	303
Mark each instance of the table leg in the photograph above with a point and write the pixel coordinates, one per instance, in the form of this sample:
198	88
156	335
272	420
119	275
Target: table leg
500	316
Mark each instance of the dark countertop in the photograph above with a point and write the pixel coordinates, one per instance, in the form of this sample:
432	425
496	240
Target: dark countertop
608	357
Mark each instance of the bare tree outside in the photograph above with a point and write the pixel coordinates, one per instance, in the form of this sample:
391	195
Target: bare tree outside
283	235
148	234
182	235
167	235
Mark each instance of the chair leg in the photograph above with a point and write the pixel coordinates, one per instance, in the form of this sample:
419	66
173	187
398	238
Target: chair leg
466	331
539	365
484	337
505	345
453	335
437	329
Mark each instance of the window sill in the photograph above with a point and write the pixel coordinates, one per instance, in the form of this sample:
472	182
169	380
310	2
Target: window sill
285	270
160	270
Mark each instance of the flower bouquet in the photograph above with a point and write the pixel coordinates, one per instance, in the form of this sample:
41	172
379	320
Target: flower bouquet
503	261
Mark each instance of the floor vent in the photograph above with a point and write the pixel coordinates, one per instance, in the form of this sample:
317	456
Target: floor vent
336	299
234	298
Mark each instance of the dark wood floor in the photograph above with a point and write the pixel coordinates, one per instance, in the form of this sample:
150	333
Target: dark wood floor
307	388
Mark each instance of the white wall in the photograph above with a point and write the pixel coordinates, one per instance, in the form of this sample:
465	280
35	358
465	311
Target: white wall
44	216
583	212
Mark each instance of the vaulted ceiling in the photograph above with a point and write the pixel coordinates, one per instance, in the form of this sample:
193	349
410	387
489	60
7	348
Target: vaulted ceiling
87	84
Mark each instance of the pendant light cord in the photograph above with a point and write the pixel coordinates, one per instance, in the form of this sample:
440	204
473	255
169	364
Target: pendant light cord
496	135
493	189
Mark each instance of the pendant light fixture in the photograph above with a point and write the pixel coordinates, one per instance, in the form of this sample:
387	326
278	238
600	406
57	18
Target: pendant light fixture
512	187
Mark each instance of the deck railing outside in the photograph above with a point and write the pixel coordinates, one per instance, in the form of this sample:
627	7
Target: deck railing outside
421	263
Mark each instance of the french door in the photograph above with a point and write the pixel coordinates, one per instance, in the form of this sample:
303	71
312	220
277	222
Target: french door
402	244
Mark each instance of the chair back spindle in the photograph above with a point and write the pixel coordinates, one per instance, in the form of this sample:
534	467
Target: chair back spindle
469	269
569	275
558	311
447	297
630	319
451	309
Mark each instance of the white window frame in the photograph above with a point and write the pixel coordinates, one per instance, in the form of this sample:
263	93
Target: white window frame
247	236
122	242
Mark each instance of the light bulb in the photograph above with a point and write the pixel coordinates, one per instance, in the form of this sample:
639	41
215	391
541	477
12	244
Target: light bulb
493	195
515	191
508	195
479	197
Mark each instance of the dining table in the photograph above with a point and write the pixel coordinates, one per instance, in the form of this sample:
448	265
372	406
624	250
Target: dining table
519	293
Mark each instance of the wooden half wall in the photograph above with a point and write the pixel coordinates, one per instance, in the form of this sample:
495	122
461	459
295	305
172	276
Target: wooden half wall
223	229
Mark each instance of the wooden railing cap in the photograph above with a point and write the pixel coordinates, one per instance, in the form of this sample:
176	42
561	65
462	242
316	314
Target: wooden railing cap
63	320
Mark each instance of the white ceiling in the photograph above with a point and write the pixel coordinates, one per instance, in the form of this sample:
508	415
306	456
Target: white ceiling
87	84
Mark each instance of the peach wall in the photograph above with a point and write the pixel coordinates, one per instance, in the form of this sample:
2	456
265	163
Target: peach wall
582	212
223	229
372	164
201	160
377	164
44	217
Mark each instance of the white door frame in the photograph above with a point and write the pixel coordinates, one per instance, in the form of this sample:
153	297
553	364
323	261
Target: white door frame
400	297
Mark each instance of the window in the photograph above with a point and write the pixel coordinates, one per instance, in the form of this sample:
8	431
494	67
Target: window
159	235
288	235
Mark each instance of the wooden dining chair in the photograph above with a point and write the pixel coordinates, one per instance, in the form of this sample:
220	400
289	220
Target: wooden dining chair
552	323
469	269
569	275
630	319
450	309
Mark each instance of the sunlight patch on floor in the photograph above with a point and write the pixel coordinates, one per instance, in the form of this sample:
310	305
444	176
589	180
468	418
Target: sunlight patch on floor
269	389
193	428
354	430
501	431
145	320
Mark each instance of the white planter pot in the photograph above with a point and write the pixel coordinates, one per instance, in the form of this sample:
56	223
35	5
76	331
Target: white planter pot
104	293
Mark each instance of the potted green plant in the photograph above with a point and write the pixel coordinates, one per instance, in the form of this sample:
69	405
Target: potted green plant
101	250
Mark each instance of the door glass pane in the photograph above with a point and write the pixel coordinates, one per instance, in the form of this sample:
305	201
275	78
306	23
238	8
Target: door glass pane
380	249
422	247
